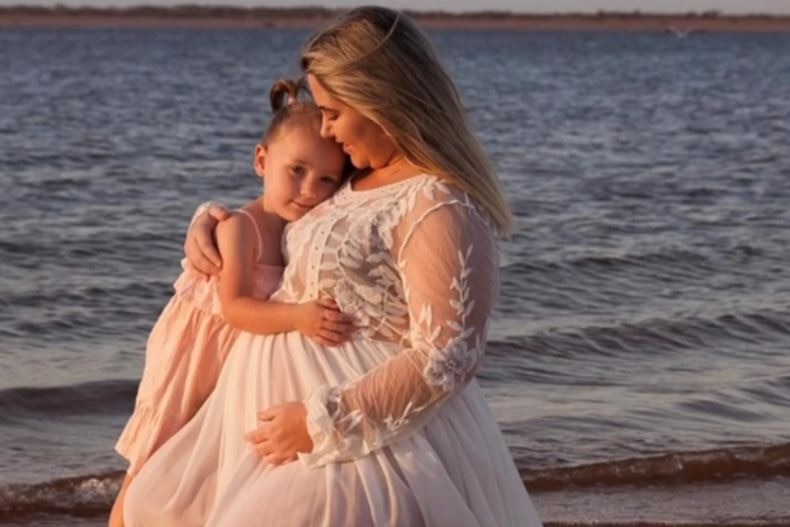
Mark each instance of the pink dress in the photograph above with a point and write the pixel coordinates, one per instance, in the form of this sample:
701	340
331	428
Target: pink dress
184	356
402	434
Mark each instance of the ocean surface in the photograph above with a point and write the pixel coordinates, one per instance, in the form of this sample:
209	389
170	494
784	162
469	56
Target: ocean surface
639	358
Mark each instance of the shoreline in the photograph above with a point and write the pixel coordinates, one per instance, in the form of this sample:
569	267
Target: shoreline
234	17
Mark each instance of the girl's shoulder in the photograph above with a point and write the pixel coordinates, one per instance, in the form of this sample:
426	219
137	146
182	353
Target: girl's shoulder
239	225
250	230
239	233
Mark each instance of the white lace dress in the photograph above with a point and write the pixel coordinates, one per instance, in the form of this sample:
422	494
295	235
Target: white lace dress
402	433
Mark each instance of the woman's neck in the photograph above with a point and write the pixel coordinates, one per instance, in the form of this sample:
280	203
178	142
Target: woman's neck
395	171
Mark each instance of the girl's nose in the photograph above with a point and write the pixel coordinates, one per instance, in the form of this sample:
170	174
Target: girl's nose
309	188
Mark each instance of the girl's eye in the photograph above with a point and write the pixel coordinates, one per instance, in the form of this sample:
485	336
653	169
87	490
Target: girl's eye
329	181
297	170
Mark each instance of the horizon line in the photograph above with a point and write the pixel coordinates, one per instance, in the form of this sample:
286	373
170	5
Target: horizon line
634	13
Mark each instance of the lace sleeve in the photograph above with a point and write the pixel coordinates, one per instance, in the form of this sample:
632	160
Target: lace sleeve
448	264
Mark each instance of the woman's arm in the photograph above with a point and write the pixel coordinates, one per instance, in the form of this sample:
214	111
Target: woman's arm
320	320
448	264
199	245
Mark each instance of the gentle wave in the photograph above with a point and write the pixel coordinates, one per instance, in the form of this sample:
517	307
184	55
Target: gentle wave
655	334
105	293
79	496
674	468
651	337
91	495
669	258
102	397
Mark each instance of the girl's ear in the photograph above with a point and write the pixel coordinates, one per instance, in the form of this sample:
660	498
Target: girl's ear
259	160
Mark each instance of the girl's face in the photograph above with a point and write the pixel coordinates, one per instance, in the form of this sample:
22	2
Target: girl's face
365	142
300	169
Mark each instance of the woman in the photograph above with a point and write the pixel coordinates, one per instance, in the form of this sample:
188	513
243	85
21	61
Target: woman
391	428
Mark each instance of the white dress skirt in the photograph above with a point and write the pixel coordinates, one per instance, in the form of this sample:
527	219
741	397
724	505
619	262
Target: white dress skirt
402	433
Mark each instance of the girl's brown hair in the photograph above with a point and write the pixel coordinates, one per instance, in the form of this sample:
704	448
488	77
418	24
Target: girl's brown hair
288	109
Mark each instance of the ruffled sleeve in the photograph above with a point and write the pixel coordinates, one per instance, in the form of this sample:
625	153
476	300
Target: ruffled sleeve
446	255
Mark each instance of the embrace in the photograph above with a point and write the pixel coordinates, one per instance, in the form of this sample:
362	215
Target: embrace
324	374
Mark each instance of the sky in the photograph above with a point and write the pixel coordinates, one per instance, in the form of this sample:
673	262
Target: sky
531	6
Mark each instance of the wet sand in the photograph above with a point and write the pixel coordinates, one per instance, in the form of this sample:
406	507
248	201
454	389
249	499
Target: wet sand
741	503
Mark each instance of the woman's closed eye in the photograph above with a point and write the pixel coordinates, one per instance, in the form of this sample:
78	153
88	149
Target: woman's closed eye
328	115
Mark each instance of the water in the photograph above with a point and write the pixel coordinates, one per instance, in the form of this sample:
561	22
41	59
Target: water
638	361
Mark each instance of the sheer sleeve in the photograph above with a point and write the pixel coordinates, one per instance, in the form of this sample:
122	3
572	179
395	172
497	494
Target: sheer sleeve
448	265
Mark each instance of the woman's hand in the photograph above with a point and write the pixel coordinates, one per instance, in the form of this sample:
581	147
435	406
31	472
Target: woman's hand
322	321
282	433
200	246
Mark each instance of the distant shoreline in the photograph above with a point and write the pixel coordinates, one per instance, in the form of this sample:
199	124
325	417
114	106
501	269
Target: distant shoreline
238	17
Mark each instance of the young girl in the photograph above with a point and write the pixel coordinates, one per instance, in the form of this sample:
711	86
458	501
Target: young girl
187	346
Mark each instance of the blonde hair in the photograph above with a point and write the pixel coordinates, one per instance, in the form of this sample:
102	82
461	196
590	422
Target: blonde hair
379	62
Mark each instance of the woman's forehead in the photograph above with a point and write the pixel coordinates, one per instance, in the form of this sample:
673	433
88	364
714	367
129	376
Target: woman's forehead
321	95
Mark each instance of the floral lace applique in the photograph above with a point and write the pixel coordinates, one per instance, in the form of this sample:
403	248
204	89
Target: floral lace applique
415	265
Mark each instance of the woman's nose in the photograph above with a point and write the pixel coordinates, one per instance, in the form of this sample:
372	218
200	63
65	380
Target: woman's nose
326	131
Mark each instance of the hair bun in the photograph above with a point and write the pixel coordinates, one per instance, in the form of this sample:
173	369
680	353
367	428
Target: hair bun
284	92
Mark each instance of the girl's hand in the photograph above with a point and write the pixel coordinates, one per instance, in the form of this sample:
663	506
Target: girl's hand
200	246
322	321
281	433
